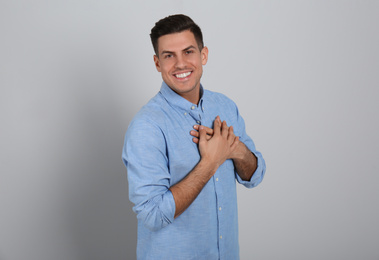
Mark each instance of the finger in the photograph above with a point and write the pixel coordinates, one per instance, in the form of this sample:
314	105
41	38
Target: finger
219	119
196	139
224	129
235	143
209	130
217	126
203	134
194	133
231	135
231	130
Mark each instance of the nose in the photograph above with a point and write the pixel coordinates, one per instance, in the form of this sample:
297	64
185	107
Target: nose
180	62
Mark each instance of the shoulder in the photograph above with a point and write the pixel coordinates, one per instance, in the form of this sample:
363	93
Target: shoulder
219	99
150	118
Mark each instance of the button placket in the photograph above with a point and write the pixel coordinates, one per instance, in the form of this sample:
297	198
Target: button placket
195	114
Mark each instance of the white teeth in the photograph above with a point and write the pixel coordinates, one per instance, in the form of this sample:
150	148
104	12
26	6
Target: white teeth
183	75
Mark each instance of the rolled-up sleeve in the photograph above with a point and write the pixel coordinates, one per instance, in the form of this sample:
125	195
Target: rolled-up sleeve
261	165
145	157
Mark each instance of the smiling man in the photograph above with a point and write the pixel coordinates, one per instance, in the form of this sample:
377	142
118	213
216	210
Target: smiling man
184	151
180	61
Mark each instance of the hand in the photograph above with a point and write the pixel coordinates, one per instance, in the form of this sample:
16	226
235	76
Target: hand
237	153
208	130
217	145
196	134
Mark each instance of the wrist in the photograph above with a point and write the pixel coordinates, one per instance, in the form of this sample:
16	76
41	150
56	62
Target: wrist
240	152
209	165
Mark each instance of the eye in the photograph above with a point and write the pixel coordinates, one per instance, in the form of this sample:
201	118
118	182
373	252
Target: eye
168	56
189	51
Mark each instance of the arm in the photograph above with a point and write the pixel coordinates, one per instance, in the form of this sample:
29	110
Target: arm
213	151
244	160
156	202
145	157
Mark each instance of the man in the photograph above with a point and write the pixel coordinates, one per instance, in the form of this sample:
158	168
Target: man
184	151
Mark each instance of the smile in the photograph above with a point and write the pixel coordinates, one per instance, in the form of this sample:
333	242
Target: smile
183	75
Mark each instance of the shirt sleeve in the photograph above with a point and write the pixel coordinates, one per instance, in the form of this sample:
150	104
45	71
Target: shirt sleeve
261	165
144	155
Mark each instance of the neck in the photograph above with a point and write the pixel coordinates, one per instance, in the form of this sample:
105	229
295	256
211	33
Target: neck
192	97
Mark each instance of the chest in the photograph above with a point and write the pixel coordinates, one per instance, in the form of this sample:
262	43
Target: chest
182	153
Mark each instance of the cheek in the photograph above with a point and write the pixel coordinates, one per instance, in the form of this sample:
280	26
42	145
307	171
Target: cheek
166	66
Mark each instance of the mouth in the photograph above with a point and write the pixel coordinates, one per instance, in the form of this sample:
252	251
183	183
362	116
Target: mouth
183	75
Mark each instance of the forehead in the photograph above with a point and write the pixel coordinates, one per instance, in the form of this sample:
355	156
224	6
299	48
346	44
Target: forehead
176	41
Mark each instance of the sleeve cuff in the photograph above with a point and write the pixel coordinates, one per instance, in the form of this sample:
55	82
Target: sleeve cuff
257	175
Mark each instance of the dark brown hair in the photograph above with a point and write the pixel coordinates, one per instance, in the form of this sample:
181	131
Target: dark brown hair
175	24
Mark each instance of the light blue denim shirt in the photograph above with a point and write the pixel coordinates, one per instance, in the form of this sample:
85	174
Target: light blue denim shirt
159	152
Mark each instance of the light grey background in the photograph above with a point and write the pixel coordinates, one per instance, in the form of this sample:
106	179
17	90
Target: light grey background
303	73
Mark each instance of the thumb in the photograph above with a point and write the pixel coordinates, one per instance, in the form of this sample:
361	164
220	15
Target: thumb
203	133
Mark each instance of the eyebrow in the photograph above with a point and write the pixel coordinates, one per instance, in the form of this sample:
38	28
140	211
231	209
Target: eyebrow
189	47
171	52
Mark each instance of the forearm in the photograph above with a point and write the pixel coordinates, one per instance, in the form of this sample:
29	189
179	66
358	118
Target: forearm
245	162
213	151
186	191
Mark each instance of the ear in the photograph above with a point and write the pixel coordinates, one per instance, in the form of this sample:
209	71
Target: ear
204	55
157	64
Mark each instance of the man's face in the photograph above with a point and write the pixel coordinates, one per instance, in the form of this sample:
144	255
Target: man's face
181	63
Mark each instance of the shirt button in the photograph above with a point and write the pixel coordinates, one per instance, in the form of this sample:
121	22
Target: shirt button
198	122
219	208
216	179
220	237
193	107
185	113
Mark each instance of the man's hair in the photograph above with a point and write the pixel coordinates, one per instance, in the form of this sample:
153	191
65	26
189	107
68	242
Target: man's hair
175	24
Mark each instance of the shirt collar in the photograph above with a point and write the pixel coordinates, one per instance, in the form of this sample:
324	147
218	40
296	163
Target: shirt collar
174	99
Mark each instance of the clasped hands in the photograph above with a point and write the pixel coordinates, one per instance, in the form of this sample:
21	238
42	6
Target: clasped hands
217	144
